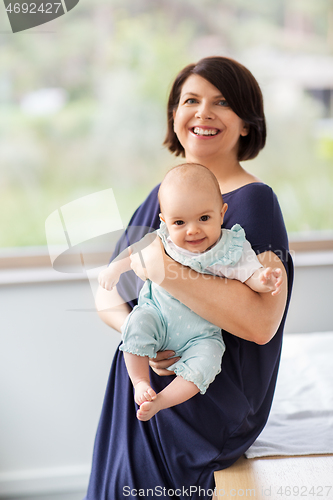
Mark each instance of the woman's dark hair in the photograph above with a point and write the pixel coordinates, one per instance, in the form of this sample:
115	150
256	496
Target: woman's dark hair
241	90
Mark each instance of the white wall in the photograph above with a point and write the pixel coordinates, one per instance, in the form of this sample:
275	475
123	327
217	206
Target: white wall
311	307
54	362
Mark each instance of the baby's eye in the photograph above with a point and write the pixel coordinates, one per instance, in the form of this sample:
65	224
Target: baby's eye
179	222
204	218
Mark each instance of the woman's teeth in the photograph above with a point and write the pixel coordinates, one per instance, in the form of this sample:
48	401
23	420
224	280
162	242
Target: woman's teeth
204	131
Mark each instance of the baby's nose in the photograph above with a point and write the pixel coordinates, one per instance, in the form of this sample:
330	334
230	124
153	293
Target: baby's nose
192	229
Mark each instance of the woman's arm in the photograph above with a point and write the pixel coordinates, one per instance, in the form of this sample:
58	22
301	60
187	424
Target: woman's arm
111	307
229	304
113	311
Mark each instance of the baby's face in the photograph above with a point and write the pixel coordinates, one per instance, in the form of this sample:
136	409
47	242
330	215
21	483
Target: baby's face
193	219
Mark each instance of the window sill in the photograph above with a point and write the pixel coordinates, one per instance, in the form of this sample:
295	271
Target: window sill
33	265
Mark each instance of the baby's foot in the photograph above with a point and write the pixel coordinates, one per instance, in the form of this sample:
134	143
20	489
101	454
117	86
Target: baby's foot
147	410
143	392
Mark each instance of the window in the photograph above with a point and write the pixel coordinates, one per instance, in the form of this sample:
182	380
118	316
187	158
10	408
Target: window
79	118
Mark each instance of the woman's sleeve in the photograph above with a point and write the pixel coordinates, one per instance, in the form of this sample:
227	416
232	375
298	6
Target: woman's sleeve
144	220
257	210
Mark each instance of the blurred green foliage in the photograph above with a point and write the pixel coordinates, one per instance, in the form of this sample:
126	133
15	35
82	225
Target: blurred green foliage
116	60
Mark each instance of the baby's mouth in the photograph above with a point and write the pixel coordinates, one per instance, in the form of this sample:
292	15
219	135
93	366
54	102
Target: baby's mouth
205	131
195	242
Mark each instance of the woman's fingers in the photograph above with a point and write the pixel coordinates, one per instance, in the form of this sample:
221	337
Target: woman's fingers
164	355
163	360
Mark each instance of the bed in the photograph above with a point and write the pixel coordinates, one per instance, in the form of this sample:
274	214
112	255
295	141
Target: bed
293	456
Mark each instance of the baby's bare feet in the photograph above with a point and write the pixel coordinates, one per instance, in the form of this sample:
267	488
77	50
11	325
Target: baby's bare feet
147	410
143	392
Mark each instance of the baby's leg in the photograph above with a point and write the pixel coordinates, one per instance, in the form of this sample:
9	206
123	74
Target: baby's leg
142	333
138	371
178	391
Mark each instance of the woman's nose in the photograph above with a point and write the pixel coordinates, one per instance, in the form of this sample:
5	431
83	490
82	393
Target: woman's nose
204	112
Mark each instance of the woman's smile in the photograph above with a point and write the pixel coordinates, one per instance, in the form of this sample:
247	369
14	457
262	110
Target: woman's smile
205	132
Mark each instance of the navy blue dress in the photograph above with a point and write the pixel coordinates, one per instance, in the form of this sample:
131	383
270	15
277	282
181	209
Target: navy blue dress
175	454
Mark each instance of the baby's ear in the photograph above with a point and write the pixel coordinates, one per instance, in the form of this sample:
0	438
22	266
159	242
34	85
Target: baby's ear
161	217
223	211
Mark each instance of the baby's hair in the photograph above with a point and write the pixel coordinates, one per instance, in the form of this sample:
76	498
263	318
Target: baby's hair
193	172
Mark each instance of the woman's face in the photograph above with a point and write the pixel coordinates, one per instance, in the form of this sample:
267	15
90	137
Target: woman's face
205	125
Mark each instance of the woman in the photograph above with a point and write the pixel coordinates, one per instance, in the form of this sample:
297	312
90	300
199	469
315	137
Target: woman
215	117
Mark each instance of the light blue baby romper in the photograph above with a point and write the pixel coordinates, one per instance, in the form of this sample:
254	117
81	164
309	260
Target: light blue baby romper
160	322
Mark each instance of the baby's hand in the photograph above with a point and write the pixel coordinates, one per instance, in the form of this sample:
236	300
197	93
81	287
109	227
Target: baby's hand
272	279
108	278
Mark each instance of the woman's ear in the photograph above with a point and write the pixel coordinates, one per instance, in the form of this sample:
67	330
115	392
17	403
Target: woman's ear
245	130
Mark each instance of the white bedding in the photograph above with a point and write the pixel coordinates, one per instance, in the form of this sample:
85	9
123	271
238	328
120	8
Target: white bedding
301	418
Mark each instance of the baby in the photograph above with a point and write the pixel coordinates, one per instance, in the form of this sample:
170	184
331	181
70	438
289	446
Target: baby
192	212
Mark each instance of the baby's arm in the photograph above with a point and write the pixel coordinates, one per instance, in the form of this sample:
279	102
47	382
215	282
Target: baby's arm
110	276
123	262
266	279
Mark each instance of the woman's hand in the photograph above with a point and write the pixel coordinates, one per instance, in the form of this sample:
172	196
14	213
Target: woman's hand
163	360
148	258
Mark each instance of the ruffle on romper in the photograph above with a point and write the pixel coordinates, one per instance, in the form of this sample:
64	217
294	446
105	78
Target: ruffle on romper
204	376
227	251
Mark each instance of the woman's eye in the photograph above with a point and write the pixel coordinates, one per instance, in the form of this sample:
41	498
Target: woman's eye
191	100
223	103
179	222
204	218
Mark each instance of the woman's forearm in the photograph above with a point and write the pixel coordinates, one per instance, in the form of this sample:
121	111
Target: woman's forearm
111	308
229	304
